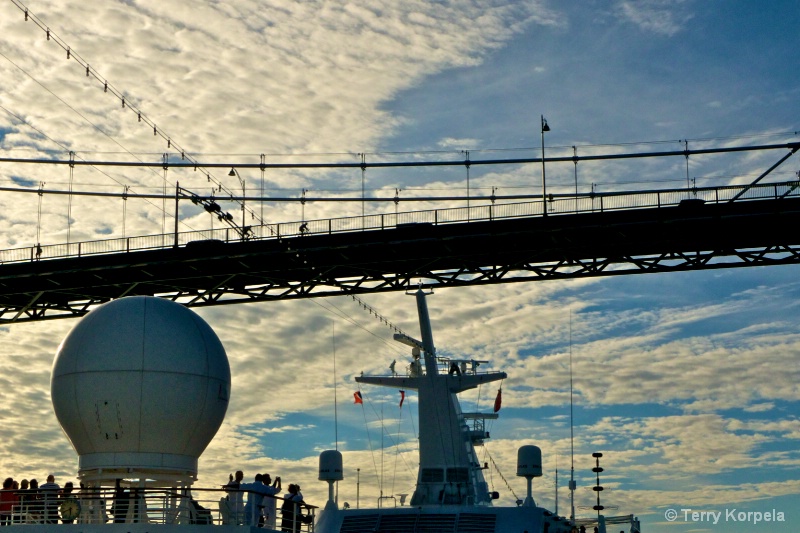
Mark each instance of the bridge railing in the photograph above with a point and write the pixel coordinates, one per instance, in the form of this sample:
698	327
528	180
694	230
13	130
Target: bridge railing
555	204
615	201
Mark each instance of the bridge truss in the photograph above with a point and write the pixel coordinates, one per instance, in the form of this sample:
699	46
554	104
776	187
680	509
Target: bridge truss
691	235
556	237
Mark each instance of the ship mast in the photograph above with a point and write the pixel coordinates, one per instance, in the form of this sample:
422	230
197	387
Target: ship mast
449	472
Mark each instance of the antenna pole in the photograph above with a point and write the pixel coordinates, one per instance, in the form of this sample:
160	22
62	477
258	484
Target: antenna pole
598	488
556	510
571	432
335	404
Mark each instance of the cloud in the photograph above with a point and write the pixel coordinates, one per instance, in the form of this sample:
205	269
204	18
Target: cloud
278	349
760	407
282	429
663	17
458	144
266	80
685	381
262	64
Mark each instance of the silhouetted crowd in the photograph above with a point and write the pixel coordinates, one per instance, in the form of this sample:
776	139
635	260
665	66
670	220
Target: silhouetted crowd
261	505
27	502
256	504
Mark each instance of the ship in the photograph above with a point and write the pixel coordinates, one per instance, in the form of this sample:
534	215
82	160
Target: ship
141	385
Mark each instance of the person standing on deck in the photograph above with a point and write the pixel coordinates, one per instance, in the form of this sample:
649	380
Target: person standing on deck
50	491
236	498
255	500
270	504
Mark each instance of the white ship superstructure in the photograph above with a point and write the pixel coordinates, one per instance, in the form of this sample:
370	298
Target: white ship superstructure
141	385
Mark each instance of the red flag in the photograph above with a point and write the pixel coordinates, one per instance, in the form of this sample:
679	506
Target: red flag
499	400
402	397
357	396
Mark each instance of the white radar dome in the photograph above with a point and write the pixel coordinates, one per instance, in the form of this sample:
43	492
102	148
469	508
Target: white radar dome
140	386
330	466
529	461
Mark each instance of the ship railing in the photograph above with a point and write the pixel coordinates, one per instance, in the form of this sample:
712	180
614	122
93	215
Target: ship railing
289	515
628	519
444	365
459	366
197	506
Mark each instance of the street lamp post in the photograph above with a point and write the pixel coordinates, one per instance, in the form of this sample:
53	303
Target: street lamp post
545	128
232	173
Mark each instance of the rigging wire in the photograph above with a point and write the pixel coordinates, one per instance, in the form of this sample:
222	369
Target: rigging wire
107	87
343	315
71	108
372	311
571	428
335	386
75	159
369	440
69	198
397	448
413	426
491	421
491	459
379	472
384	432
141	117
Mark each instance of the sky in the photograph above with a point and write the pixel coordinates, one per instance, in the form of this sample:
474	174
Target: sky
686	382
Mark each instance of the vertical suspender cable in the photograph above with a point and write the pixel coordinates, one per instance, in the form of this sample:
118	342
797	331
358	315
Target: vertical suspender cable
466	164
39	216
124	208
69	197
363	189
263	170
575	160
303	207
686	152
164	201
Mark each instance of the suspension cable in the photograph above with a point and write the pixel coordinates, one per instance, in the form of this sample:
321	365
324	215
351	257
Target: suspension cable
110	88
410	163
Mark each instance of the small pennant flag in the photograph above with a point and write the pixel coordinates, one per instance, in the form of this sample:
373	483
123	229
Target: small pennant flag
402	398
499	400
357	397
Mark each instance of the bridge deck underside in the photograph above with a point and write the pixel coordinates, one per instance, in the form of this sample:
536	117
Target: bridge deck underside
688	237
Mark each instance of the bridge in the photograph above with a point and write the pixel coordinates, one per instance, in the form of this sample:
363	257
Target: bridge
560	237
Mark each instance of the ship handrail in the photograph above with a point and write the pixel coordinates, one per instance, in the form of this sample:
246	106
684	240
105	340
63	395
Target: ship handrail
190	506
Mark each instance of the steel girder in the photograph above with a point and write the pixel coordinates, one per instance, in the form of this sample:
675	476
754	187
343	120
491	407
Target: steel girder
683	238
